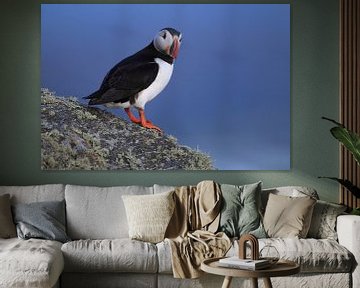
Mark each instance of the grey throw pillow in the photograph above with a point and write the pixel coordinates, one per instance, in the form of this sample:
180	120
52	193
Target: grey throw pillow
7	227
323	222
44	220
240	213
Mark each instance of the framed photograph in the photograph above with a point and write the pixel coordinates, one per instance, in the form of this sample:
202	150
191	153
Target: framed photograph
165	86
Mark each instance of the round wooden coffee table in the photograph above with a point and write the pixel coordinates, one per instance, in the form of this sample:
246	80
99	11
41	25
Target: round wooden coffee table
281	268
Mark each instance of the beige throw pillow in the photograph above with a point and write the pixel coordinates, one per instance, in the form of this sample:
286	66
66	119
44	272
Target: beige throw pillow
288	217
148	215
7	226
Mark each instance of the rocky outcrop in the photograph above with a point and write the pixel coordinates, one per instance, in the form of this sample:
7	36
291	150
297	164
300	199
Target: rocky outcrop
75	136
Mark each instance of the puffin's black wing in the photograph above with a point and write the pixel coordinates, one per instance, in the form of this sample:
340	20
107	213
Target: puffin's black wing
125	81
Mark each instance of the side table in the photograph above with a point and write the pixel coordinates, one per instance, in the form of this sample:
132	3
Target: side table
281	268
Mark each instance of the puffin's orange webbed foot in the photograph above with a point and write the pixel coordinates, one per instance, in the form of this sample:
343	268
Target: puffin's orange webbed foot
146	123
151	126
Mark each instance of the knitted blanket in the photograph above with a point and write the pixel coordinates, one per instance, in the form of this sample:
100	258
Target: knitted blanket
191	232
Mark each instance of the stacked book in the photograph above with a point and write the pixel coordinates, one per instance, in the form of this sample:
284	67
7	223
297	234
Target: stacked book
248	264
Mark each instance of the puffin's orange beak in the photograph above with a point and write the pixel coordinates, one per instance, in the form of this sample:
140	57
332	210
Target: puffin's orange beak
174	49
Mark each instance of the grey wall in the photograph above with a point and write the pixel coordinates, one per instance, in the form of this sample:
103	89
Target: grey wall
314	93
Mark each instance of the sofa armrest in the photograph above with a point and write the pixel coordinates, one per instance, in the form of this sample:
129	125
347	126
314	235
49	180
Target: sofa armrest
348	230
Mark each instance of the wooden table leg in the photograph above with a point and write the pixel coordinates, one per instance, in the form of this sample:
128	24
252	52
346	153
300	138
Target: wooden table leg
227	282
267	283
254	282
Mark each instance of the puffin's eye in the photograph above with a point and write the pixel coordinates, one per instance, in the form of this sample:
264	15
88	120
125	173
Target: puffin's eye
164	35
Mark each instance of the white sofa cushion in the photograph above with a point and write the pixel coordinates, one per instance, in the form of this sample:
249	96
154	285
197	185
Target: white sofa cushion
163	188
313	255
36	193
116	255
348	229
30	263
98	213
164	257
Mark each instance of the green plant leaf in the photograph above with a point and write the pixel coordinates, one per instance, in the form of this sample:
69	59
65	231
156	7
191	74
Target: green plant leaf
348	138
333	121
347	184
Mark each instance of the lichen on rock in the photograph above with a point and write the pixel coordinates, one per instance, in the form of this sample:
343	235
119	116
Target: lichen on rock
75	136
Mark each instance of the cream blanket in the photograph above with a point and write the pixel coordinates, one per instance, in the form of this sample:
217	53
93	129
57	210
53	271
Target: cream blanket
191	231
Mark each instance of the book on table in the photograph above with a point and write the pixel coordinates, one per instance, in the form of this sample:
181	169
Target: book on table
249	264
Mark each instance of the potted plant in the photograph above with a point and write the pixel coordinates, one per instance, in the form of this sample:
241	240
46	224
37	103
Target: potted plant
351	141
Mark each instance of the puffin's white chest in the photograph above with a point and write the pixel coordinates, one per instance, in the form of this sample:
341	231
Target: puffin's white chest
160	82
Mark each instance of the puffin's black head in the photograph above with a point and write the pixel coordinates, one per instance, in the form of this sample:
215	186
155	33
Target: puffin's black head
168	41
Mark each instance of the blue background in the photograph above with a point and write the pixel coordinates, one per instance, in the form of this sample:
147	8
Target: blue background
229	95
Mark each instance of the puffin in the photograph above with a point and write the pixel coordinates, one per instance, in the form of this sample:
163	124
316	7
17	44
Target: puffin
139	78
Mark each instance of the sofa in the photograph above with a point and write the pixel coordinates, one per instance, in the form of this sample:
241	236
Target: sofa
101	254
